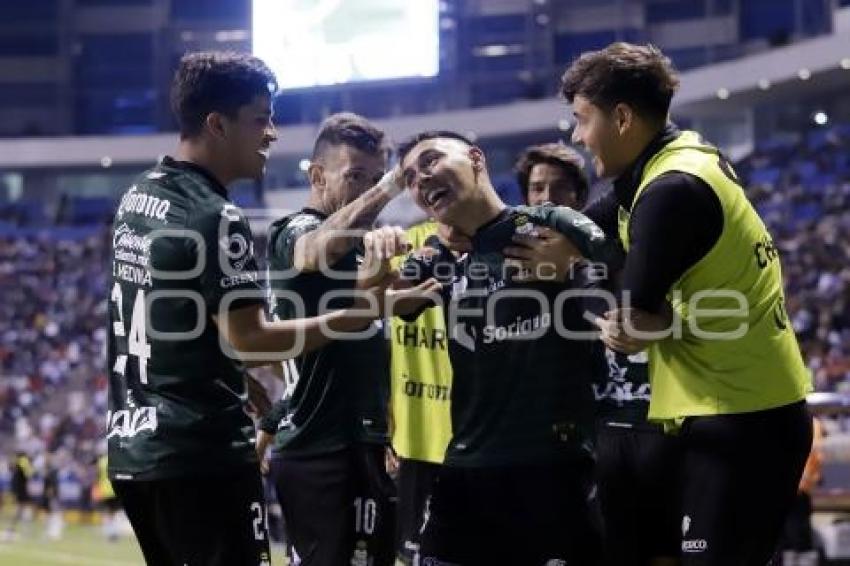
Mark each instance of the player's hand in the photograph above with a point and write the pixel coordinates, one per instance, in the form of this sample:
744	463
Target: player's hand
454	239
392	183
544	255
632	330
258	399
263	441
391	462
403	299
380	246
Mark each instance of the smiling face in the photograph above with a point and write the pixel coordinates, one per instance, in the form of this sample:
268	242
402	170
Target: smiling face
597	130
248	138
442	175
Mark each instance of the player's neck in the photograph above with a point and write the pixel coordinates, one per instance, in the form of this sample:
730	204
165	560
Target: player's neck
316	202
199	154
485	208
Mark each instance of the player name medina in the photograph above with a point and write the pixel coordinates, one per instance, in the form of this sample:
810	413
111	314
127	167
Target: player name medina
131	273
143	204
523	328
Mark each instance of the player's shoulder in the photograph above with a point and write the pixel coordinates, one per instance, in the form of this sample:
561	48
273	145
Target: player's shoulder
301	221
170	194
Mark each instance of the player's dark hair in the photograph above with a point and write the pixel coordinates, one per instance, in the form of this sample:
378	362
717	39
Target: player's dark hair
405	147
638	75
559	155
353	130
216	81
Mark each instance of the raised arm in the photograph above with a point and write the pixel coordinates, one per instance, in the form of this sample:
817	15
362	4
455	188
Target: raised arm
344	228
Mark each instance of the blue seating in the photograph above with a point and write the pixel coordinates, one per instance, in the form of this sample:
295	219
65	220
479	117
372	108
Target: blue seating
768	176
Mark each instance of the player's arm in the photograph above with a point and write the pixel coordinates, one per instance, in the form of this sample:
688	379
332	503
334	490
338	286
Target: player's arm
427	275
547	255
266	431
343	229
248	331
236	301
264	439
409	293
604	211
674	223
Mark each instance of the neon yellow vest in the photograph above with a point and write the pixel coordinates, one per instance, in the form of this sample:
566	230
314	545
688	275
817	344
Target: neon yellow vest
421	378
104	486
697	374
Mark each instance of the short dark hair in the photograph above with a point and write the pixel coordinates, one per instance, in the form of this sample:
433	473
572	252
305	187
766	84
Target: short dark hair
216	81
638	75
407	145
558	154
353	130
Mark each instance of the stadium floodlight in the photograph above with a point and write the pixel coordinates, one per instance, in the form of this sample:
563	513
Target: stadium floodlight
310	43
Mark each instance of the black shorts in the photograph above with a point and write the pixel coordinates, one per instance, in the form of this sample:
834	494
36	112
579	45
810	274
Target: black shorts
797	534
511	515
637	472
22	495
415	480
740	475
199	520
338	508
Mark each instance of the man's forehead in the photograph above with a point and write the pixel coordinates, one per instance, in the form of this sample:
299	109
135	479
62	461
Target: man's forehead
547	169
347	155
445	145
582	105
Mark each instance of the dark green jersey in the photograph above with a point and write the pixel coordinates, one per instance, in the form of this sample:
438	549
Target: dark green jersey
522	387
181	253
622	391
337	394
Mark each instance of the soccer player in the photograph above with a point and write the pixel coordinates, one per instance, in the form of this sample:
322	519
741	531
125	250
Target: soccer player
704	282
552	172
22	471
514	485
184	295
328	457
421	381
636	462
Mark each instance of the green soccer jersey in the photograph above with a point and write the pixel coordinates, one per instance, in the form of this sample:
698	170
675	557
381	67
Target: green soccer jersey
521	391
337	394
181	253
622	389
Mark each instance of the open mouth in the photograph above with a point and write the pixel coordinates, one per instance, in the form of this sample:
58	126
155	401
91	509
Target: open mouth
264	153
433	196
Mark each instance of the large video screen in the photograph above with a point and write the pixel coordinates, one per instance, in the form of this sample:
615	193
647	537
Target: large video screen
325	42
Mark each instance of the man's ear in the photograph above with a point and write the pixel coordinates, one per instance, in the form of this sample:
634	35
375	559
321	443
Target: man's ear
624	117
316	175
216	125
476	155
